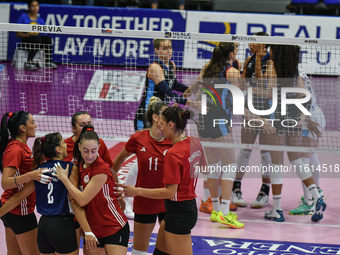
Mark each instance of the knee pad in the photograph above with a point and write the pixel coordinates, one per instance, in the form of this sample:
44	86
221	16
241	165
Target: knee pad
276	174
215	170
302	170
266	161
229	172
135	252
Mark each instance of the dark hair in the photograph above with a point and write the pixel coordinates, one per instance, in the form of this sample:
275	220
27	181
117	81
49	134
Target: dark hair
155	106
262	34
219	57
29	2
74	117
11	128
45	146
178	116
87	133
286	60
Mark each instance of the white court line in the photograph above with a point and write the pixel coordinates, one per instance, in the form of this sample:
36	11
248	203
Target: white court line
286	223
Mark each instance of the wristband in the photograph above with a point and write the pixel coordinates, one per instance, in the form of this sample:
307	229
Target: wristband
15	180
90	234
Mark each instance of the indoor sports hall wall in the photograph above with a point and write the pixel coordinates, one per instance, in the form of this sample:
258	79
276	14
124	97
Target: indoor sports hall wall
310	27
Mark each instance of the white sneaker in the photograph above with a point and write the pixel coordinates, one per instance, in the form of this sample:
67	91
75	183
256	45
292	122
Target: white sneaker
50	65
261	201
129	208
236	198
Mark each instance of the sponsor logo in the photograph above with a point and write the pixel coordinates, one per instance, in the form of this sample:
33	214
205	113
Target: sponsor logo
143	149
311	41
178	35
107	31
243	38
19	7
38	28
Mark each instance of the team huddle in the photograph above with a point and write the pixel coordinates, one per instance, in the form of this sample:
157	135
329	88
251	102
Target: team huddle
73	182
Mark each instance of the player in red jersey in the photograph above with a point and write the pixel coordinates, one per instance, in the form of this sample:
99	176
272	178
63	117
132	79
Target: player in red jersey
16	167
150	147
79	120
106	219
180	179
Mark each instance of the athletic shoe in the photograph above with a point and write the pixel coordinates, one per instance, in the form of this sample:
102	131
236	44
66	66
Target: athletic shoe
214	215
207	206
236	198
276	215
128	208
229	220
261	201
321	195
302	209
233	207
320	207
30	66
50	65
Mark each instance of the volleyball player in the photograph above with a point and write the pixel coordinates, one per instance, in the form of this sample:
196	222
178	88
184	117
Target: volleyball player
219	70
254	67
161	82
56	230
311	132
284	73
180	182
103	213
16	167
150	147
206	203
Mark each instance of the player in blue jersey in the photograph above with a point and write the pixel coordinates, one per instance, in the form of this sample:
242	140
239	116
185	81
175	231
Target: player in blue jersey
253	68
311	132
34	41
284	73
56	230
219	70
160	82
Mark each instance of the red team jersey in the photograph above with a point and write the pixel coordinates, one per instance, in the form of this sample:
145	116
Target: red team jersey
180	165
19	156
150	154
103	151
102	212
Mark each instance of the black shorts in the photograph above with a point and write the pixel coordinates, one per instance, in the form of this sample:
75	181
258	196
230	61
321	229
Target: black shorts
180	217
210	127
119	238
57	234
149	218
20	223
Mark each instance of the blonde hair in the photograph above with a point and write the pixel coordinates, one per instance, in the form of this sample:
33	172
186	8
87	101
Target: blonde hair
154	107
157	42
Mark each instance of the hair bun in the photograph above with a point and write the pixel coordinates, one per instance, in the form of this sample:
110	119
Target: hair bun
188	114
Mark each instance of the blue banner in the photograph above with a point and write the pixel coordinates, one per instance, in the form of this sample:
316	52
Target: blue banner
103	50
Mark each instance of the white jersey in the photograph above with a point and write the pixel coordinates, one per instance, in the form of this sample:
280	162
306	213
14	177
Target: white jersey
308	86
315	111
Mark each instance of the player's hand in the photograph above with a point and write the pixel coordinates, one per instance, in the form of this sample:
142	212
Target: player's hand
125	190
38	175
268	127
91	241
60	172
313	128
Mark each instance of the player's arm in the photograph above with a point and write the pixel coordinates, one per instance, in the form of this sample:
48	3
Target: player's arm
156	74
17	198
79	212
270	78
234	77
244	74
119	160
162	193
179	86
92	189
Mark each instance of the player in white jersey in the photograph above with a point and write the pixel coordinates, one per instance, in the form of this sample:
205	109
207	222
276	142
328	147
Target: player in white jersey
311	131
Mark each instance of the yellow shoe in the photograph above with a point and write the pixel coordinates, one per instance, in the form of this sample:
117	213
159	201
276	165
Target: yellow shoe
229	220
213	216
233	215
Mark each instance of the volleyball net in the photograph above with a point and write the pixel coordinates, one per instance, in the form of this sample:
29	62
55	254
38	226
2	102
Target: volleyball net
103	72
